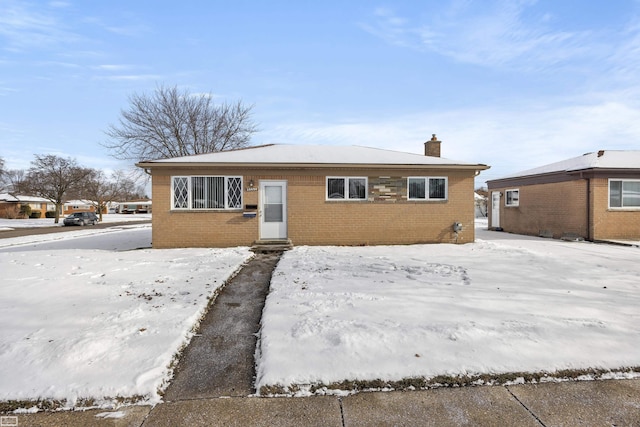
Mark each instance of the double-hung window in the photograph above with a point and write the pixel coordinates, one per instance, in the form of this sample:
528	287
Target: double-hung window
512	198
206	192
346	188
624	193
427	188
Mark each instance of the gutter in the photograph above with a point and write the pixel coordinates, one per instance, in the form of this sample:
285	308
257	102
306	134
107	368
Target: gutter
169	165
589	228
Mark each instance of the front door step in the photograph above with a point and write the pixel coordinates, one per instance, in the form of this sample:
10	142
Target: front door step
272	245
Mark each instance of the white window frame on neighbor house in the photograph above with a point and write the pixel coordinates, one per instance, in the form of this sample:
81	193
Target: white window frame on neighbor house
427	180
621	194
345	188
509	199
232	193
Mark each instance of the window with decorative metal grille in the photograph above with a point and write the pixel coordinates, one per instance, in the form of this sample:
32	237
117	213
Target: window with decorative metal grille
207	192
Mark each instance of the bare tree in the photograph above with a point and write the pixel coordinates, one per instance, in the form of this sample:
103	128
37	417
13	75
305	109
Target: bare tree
102	190
129	185
481	202
14	181
52	177
172	123
4	183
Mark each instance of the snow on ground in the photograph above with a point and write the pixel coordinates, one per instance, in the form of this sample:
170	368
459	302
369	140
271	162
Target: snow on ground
12	224
119	238
100	324
506	303
75	233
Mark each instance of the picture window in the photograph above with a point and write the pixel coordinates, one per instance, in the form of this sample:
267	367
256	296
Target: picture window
207	192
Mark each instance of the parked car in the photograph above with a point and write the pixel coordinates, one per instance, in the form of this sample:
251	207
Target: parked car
81	218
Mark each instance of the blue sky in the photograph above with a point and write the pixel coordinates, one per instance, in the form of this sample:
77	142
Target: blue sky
512	84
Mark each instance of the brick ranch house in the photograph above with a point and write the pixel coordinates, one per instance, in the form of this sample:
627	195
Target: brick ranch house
312	195
10	205
72	206
595	196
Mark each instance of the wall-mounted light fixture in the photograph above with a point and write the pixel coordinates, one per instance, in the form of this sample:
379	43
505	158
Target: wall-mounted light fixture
251	183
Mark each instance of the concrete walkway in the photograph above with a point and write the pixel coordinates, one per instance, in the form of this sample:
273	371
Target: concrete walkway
215	377
219	361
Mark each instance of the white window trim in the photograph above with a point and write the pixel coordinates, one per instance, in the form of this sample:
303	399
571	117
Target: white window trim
620	208
511	205
189	193
346	188
426	189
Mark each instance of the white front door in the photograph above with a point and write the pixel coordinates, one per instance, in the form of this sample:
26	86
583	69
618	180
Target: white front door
273	210
495	209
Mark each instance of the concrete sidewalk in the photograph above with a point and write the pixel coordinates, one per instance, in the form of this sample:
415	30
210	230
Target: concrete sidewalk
583	403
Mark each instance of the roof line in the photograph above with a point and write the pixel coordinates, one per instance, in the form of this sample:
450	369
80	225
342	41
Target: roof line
475	166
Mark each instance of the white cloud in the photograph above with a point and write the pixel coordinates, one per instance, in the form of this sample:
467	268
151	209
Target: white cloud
507	138
5	90
491	34
59	4
24	28
132	77
58	64
129	29
113	67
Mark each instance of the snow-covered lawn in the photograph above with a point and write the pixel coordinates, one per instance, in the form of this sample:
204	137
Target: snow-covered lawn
504	304
100	324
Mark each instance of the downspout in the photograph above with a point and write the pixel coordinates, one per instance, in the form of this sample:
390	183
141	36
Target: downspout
589	236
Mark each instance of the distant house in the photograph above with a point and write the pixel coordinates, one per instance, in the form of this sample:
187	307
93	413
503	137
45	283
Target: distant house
10	205
134	207
72	206
595	196
312	195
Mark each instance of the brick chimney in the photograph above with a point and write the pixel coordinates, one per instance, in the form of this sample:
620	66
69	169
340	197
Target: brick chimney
432	147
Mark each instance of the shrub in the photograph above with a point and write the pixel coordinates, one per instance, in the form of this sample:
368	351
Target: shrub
35	214
25	211
50	214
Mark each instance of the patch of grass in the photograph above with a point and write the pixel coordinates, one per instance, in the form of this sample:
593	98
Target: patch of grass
440	381
274	390
10	406
42	405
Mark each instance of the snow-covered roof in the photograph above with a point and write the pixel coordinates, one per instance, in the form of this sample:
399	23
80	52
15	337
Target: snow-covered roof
139	202
79	202
604	159
5	197
279	154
